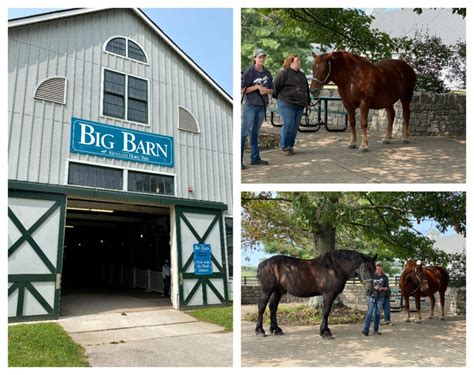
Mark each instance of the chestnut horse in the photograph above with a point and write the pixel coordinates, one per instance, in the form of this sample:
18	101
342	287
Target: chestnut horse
364	85
419	281
325	275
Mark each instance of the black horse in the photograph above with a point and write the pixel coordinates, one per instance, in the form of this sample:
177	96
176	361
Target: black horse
326	275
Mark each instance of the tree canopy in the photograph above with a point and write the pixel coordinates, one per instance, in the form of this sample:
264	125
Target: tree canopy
300	223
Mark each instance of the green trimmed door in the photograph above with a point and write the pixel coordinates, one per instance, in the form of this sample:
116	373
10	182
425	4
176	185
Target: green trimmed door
201	226
35	247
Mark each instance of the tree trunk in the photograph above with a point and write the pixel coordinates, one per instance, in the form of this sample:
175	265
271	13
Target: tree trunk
324	238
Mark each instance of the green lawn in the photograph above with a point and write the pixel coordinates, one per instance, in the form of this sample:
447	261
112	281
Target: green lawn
43	345
221	316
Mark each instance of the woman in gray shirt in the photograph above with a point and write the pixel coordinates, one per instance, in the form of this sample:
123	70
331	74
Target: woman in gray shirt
291	89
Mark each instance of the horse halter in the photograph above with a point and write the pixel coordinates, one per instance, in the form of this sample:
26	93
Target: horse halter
420	284
324	81
362	276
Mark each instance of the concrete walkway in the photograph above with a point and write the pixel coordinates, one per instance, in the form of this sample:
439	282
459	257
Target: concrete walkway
323	157
431	343
160	338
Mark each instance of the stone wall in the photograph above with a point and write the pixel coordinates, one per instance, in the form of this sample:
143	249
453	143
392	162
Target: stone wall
354	295
431	114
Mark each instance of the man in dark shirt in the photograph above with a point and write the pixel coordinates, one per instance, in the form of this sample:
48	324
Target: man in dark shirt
376	300
257	84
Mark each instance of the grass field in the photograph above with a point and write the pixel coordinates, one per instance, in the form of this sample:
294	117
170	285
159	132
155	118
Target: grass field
43	345
221	316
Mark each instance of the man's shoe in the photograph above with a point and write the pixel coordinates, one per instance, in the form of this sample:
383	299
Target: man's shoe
365	333
287	152
292	152
259	162
389	323
242	166
377	333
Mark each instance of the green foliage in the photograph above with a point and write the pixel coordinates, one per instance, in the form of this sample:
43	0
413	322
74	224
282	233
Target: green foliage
371	222
221	316
43	345
431	58
283	31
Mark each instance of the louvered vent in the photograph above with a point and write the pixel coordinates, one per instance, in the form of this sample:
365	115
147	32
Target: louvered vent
186	121
52	90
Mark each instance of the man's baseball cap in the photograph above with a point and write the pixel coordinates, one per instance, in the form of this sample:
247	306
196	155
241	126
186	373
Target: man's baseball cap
379	264
259	52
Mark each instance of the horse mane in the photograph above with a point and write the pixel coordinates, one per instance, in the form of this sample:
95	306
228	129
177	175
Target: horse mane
351	255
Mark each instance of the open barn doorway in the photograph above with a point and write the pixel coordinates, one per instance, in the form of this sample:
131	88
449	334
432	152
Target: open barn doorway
113	257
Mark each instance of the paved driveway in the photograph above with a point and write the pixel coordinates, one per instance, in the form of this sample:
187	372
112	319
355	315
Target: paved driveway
150	338
323	157
431	343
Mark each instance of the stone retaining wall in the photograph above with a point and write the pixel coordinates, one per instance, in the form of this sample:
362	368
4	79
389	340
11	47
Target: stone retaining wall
354	295
431	114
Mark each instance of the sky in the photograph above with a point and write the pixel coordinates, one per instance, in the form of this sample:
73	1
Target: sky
209	44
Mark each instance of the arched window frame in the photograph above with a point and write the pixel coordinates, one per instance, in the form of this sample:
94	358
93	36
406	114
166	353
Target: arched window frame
194	117
126	49
47	79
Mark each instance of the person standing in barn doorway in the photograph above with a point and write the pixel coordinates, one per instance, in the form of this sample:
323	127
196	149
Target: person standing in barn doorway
166	273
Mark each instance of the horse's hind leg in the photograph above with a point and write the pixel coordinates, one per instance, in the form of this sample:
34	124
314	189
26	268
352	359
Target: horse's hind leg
406	299
274	301
406	120
432	306
262	305
390	118
441	301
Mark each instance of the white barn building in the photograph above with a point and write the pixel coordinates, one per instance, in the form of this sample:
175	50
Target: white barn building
120	158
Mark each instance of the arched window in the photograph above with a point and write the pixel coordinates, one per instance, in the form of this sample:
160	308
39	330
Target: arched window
126	47
187	121
52	89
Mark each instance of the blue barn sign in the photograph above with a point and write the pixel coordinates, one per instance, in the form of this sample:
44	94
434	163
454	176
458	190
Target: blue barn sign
93	138
202	259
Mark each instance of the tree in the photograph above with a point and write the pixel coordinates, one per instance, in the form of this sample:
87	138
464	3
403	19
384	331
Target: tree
283	31
305	224
431	59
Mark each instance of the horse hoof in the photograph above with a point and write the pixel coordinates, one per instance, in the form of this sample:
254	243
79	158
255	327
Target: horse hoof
405	141
418	321
352	146
363	149
442	318
385	141
430	317
261	334
407	320
277	331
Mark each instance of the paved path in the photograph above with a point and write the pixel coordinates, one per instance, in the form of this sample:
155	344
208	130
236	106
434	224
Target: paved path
431	343
150	338
323	157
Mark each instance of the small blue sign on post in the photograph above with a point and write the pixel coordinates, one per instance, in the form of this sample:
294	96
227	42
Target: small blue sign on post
94	138
202	259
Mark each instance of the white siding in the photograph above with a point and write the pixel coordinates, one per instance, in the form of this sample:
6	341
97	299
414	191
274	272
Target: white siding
73	48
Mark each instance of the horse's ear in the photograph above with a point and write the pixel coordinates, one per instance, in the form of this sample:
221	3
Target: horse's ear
375	257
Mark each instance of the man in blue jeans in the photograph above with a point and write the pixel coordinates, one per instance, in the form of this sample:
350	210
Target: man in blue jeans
257	84
376	300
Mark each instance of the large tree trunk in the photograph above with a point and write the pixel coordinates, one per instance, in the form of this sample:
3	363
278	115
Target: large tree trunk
324	238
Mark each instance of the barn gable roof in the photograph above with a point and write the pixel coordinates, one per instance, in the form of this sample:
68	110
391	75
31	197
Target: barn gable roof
22	21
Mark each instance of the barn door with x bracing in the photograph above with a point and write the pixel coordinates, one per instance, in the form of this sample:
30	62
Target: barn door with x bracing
35	246
201	257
